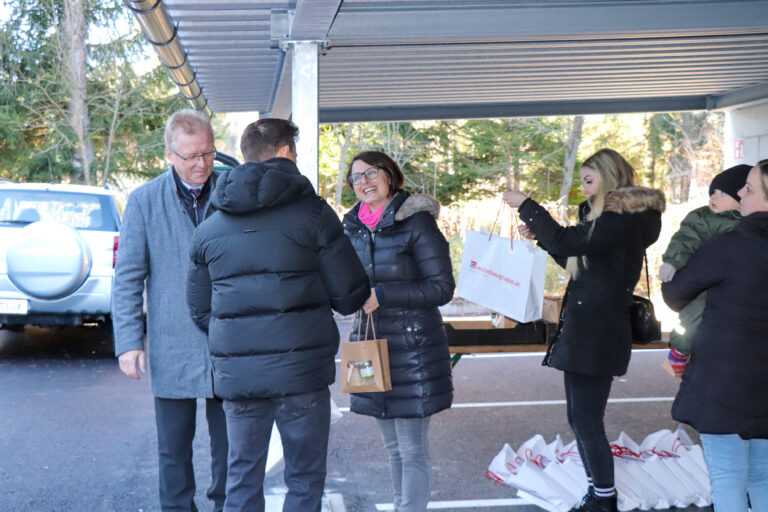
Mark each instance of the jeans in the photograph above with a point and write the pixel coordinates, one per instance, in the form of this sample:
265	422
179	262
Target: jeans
405	440
737	467
586	397
303	422
175	420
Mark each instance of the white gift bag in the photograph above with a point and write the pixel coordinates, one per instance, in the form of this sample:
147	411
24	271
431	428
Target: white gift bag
635	480
536	473
667	451
502	466
504	275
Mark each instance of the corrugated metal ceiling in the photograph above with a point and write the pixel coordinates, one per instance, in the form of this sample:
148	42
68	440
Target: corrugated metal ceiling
429	59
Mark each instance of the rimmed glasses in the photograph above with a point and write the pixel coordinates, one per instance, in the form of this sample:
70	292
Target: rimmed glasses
370	174
208	155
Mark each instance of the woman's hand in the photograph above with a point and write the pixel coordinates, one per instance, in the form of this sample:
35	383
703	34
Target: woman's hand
514	198
372	303
525	232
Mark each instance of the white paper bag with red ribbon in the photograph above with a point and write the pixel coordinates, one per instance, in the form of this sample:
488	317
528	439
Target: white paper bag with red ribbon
666	470
503	275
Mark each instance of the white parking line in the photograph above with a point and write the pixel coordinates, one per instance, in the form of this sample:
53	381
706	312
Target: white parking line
528	403
441	505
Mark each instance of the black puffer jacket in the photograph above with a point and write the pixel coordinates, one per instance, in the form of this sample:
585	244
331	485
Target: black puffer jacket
594	336
408	262
267	268
725	384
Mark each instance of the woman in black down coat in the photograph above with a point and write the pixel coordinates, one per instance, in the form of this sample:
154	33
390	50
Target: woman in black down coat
409	267
603	253
724	392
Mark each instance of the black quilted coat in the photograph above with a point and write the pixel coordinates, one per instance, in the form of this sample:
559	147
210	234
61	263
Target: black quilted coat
408	263
725	384
267	268
594	336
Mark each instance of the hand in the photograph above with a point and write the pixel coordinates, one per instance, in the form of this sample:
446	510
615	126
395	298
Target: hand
666	272
129	360
514	198
372	303
678	362
525	232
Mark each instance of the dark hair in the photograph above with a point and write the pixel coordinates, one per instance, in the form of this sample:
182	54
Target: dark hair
262	139
383	162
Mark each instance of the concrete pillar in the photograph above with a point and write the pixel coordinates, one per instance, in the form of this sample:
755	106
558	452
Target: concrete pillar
304	99
746	135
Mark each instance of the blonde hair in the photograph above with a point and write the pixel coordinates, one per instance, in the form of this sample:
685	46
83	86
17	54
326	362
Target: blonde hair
762	165
614	172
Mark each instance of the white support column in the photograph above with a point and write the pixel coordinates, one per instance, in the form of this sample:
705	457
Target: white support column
305	105
746	135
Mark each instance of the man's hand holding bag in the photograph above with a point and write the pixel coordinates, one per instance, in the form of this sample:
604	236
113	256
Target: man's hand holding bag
365	363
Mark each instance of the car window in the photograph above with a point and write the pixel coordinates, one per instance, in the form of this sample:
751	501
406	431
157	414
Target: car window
81	211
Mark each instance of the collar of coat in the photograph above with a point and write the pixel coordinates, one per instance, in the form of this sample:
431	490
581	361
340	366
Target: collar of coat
402	206
254	186
756	223
635	200
418	203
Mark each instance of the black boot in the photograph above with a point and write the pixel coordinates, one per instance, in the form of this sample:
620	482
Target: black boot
592	503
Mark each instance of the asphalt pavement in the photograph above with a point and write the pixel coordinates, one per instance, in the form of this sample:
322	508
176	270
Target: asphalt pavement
75	434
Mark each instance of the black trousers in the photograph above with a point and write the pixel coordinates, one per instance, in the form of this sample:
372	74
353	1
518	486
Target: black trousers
175	419
586	397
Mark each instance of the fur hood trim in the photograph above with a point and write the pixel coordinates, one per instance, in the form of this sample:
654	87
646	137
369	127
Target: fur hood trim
635	200
416	203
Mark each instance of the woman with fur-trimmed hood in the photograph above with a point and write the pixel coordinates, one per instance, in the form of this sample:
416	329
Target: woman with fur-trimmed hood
603	254
408	263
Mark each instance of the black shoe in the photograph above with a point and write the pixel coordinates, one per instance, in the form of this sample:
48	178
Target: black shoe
592	503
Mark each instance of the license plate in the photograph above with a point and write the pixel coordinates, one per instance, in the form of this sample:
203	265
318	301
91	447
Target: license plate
14	306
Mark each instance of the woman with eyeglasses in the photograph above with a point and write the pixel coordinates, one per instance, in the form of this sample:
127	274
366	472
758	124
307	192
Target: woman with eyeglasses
408	263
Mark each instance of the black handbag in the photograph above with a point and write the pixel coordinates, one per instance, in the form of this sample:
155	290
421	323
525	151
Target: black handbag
645	326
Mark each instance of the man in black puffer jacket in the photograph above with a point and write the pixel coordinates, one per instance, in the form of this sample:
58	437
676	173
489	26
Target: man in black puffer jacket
267	268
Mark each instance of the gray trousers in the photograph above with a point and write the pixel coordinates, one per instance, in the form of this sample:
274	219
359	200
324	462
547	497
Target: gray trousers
303	422
175	419
405	440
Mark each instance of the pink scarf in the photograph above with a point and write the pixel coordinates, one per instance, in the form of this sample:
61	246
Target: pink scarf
369	218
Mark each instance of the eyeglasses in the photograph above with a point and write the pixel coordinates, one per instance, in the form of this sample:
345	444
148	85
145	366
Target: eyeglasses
370	173
208	155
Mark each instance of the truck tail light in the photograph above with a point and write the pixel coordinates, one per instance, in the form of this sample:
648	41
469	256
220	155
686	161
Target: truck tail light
114	251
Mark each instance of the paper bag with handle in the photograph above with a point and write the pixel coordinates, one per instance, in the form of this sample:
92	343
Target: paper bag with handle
365	363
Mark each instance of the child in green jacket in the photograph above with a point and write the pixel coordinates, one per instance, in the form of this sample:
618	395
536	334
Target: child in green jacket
721	215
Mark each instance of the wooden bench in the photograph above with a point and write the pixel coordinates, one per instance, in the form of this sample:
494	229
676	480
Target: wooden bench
478	334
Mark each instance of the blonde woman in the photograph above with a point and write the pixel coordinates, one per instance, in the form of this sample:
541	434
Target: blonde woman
603	253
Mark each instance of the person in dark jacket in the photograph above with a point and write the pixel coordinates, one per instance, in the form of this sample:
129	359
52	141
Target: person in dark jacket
725	385
395	234
267	268
603	253
721	215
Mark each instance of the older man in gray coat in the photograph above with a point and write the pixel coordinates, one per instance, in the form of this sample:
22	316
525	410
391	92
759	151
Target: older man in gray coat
154	246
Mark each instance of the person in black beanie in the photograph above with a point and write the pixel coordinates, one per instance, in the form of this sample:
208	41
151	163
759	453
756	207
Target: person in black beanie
721	215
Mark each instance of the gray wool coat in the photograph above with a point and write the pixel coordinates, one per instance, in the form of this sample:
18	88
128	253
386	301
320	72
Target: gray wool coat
154	248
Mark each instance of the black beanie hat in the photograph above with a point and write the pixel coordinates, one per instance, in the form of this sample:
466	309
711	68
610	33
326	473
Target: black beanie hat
730	180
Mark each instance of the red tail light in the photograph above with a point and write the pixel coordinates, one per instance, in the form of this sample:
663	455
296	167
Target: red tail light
114	251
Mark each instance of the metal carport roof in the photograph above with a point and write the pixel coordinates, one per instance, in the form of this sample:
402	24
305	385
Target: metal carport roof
442	59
